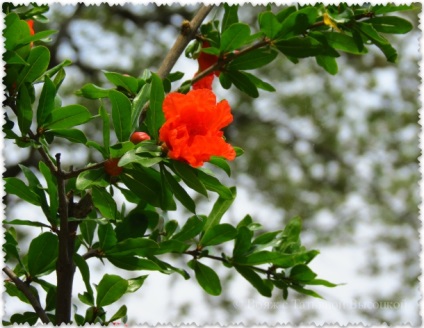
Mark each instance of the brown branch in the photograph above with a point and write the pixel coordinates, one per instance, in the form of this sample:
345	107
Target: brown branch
223	61
74	174
24	288
188	33
65	267
92	252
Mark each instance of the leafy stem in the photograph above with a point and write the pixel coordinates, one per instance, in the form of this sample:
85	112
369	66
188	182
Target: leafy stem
24	288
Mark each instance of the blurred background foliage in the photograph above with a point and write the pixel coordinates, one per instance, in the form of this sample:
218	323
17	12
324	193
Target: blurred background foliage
340	151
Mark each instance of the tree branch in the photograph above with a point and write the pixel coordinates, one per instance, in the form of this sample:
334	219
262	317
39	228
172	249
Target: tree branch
188	32
65	267
24	288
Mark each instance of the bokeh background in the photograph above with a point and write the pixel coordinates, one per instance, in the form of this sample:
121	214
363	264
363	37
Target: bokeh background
339	151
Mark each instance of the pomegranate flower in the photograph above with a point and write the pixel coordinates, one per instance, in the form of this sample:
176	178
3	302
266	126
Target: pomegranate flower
192	130
205	61
30	23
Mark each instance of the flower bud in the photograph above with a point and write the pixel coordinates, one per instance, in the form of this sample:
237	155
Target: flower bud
138	137
112	168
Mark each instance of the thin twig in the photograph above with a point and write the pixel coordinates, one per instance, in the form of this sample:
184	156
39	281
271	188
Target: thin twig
74	174
24	288
92	252
187	34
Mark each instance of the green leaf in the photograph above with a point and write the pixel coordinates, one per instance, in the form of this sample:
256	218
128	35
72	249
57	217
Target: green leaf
36	37
56	69
234	37
86	298
19	188
269	24
138	103
302	47
110	289
42	254
277	258
133	225
320	282
370	33
253	59
129	83
67	117
104	202
390	24
243	83
218	234
85	272
122	312
46	102
302	273
92	91
51	299
73	135
243	241
133	263
105	127
221	163
328	63
213	184
230	16
388	8
14	291
27	317
60	76
256	281
154	116
15	30
134	284
190	229
260	85
266	238
121	114
38	60
178	191
171	246
218	210
107	237
24	109
87	228
119	149
292	229
27	223
344	43
206	277
304	291
144	184
285	12
133	156
90	178
140	246
51	189
298	22
12	58
190	176
224	80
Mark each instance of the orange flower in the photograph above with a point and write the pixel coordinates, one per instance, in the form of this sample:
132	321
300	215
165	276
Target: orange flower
192	130
205	61
204	83
30	23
